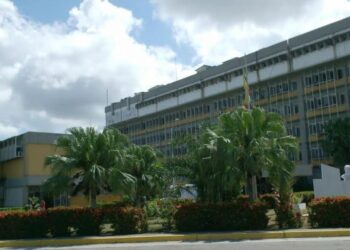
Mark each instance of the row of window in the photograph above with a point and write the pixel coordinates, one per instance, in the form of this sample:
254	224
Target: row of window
320	45
295	157
313	79
317	78
282	88
284	110
313	101
168	134
272	61
316	128
217	105
317	153
8	142
294	131
173	151
317	102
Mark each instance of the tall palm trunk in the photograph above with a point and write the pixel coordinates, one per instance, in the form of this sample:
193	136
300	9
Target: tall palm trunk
254	188
93	194
138	198
248	186
251	188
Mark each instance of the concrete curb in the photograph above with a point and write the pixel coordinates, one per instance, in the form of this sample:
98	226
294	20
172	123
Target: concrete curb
138	238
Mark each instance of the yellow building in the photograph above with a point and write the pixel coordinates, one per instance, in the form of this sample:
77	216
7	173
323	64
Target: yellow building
22	169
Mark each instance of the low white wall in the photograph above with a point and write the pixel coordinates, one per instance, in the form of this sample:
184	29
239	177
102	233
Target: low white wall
330	184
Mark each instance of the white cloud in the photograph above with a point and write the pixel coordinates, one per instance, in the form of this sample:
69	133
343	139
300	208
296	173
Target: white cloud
55	76
220	30
7	130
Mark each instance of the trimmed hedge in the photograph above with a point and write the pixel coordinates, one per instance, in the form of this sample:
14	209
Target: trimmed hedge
16	225
59	221
239	215
330	212
63	221
126	220
87	221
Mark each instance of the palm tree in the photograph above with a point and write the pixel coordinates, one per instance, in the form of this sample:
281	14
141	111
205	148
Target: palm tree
215	179
281	178
88	159
143	164
255	135
236	150
207	165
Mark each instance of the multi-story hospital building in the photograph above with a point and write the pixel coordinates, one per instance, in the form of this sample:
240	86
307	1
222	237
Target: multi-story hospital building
305	79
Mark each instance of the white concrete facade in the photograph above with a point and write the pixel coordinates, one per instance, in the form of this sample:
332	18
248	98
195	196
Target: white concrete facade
331	183
299	63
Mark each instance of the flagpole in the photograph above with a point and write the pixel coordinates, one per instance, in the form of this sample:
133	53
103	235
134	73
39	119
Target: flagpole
246	101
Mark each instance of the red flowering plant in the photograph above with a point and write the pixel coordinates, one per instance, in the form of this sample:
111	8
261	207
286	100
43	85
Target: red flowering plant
239	215
330	212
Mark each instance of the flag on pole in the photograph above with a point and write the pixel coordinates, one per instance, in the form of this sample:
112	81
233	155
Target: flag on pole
246	101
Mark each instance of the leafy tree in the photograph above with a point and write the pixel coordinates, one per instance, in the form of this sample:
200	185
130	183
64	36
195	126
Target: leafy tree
142	162
215	178
233	153
207	165
337	141
281	177
255	135
90	160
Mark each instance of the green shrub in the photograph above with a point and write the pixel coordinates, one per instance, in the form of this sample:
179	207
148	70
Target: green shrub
286	218
152	209
126	220
304	196
87	221
16	225
60	220
269	199
33	203
239	215
330	212
113	204
242	198
167	209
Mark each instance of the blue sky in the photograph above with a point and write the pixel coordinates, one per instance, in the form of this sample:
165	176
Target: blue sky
59	57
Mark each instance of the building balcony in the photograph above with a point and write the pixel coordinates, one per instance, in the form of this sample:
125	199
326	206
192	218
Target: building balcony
315	138
326	110
292	118
284	96
327	161
325	86
261	102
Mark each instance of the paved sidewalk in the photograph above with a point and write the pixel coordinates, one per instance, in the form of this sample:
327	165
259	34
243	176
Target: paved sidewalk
163	237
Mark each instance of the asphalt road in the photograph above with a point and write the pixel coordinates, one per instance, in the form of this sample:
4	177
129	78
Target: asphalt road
339	243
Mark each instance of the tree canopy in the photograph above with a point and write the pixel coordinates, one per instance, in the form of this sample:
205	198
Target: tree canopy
143	163
89	161
336	143
230	155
